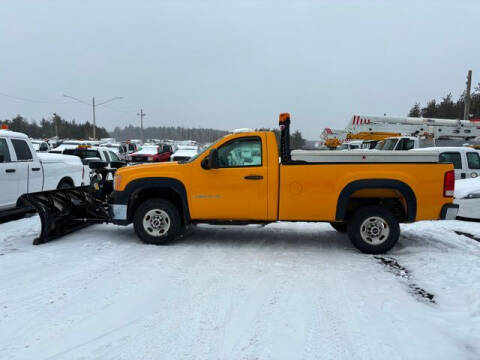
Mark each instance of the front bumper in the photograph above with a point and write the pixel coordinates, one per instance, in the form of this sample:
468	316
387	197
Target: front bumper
449	212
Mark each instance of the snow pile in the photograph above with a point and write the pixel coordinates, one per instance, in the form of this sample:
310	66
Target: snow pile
285	291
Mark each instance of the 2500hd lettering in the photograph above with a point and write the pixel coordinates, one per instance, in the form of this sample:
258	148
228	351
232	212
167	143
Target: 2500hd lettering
243	178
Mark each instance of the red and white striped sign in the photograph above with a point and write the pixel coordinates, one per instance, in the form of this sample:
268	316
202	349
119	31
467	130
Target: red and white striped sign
357	120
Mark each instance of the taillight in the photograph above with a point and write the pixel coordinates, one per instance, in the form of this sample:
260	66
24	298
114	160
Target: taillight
449	183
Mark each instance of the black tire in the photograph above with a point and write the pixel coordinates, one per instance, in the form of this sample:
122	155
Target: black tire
64	185
373	229
153	234
340	227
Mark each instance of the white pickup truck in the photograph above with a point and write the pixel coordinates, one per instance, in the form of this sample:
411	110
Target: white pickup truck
23	170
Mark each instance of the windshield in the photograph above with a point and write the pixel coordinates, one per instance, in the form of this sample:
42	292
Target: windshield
200	153
389	144
379	145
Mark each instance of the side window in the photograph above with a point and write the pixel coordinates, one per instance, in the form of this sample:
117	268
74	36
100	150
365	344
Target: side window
113	156
451	157
473	160
106	156
22	150
240	153
4	153
409	144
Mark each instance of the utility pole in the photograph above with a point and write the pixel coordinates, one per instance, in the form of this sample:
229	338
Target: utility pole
93	105
466	112
141	114
94	125
56	124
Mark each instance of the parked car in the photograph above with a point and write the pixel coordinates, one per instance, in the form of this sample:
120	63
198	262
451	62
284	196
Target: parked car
467	196
466	160
40	145
23	170
151	153
184	153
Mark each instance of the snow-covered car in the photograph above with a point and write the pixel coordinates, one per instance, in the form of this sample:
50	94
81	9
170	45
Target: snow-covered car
88	153
184	153
23	170
40	145
466	160
467	196
151	153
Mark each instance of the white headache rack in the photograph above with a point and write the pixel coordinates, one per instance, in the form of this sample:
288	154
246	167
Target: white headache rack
325	156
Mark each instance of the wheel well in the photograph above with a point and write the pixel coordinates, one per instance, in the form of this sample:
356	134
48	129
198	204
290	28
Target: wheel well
393	194
160	192
66	180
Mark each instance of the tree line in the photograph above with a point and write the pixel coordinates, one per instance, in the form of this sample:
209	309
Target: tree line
201	135
446	108
48	128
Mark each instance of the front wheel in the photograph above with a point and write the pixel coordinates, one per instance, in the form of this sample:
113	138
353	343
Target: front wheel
373	229
157	222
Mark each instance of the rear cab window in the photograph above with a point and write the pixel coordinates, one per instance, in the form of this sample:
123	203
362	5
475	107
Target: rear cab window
4	152
22	150
473	160
451	157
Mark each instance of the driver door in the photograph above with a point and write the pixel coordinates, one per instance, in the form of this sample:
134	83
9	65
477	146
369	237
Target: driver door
238	189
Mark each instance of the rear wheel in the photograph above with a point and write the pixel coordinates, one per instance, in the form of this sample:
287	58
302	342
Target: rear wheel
157	222
373	229
340	227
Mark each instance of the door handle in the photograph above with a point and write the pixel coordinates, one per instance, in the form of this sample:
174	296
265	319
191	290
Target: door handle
35	169
10	170
253	177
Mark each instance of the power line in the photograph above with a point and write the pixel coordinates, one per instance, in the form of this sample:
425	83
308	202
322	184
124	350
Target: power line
35	101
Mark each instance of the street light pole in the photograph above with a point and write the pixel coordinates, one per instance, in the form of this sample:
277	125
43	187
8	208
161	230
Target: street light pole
141	114
93	105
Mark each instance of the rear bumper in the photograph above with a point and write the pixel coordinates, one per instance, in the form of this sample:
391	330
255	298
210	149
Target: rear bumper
449	212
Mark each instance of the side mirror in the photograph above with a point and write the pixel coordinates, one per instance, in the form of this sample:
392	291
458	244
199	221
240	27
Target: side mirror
116	164
96	165
211	161
2	158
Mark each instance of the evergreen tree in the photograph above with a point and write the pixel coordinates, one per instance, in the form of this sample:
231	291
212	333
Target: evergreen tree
415	111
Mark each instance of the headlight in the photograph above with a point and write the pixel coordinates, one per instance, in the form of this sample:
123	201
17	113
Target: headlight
473	196
473	174
117	180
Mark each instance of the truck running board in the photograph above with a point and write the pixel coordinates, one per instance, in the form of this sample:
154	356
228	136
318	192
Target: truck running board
63	211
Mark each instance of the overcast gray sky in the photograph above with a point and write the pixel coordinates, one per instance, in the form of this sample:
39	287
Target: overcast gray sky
230	64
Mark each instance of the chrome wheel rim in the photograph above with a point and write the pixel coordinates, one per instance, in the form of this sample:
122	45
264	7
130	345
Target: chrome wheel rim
156	222
374	230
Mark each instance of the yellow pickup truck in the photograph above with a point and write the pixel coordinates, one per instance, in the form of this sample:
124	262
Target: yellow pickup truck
244	178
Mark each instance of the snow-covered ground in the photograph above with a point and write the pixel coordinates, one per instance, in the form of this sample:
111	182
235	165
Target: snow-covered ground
285	291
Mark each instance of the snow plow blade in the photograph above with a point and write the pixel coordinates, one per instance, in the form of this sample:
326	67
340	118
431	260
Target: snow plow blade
63	211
